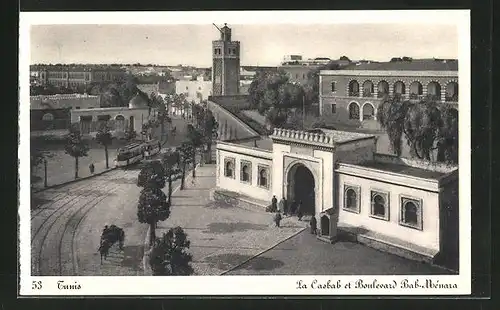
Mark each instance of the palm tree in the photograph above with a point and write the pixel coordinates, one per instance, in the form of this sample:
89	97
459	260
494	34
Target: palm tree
75	146
185	151
105	138
170	162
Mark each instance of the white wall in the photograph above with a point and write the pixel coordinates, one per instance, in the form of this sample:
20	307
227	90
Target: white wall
428	237
193	87
236	185
140	115
278	166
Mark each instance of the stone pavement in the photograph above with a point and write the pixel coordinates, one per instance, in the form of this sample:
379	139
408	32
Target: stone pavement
305	255
222	236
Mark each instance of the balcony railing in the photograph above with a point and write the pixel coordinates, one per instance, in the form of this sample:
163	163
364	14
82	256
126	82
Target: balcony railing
453	98
354	93
434	97
382	94
367	93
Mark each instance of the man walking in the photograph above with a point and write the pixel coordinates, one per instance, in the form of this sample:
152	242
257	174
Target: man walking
299	211
313	225
281	206
274	204
277	219
91	168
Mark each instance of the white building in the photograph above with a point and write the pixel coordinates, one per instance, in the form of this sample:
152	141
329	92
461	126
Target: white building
404	206
196	91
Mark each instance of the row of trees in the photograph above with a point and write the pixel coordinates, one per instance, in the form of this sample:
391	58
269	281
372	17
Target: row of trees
427	126
169	253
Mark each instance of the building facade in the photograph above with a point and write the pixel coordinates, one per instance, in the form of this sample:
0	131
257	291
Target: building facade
54	112
410	205
298	69
226	64
118	119
75	76
196	91
352	95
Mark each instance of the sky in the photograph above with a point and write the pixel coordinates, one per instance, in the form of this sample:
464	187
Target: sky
261	44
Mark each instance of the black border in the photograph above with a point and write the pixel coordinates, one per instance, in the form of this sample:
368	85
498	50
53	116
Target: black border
481	94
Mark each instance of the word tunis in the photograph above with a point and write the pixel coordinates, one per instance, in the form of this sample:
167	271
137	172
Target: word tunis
61	285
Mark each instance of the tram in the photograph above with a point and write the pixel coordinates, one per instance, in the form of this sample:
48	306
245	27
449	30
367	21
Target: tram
151	148
129	154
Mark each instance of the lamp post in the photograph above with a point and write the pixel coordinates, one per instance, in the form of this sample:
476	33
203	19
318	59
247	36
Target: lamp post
45	172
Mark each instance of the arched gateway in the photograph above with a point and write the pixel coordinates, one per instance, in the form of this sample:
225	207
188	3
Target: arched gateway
301	188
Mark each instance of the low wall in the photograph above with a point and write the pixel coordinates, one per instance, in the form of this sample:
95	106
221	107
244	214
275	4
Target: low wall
416	163
223	117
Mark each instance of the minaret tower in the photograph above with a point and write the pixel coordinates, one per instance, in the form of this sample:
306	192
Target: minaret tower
226	64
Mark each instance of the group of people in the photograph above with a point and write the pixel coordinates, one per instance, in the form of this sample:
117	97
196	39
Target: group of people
296	208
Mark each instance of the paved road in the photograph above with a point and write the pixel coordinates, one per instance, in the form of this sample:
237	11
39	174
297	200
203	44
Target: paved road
305	255
66	228
222	236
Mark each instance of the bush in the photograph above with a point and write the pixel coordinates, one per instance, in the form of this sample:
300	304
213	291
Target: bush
169	254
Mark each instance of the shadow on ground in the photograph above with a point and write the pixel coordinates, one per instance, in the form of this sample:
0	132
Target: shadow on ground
37	202
225	228
132	256
218	205
228	261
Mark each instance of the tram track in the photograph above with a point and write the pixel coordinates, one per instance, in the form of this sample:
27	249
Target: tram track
60	194
49	222
78	219
93	186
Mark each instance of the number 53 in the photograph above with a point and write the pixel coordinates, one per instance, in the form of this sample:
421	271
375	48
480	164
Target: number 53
36	285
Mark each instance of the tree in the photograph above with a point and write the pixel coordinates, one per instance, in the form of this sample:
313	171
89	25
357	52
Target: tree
163	118
170	161
426	125
104	138
153	205
75	146
169	255
311	86
195	137
130	133
37	157
185	156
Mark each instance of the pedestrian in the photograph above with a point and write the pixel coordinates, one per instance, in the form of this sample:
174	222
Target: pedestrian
92	168
285	206
313	225
299	211
293	207
277	219
281	205
274	203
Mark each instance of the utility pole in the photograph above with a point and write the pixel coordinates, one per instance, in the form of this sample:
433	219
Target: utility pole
45	172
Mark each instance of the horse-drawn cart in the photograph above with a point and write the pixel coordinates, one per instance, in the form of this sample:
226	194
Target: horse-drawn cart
110	236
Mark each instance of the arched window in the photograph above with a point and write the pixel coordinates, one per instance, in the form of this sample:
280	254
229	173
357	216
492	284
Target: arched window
382	89
411	213
415	90
368	111
368	89
434	91
399	88
351	199
380	208
229	168
353	111
48	117
353	88
452	92
245	173
263	177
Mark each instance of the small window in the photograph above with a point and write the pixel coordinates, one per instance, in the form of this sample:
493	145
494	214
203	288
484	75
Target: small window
229	168
78	108
411	213
263	180
334	108
333	87
246	172
379	205
351	198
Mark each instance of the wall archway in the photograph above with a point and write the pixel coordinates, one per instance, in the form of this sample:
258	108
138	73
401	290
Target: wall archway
353	88
120	123
368	111
354	110
302	188
48	117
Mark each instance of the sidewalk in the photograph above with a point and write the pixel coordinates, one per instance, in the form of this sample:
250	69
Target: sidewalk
222	237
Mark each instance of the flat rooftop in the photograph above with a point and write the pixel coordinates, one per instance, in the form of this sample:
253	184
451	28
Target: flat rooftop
403	169
263	143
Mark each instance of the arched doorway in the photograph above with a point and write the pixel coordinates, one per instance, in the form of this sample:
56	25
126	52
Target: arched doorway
301	188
